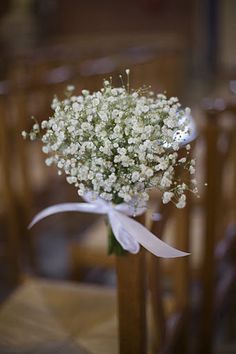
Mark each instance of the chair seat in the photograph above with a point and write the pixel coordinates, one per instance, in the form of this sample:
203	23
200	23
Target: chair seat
59	317
47	317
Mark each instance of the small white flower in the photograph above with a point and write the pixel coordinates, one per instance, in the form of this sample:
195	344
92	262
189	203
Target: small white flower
103	116
182	202
145	109
188	147
49	161
24	134
70	88
76	107
32	135
36	127
44	124
187	111
135	176
95	102
167	196
149	172
71	180
45	149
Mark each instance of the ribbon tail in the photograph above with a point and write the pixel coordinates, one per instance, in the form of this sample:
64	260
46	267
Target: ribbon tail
147	239
65	207
126	240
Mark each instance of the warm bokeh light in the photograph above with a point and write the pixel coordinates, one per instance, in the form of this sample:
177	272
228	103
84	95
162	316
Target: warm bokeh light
183	48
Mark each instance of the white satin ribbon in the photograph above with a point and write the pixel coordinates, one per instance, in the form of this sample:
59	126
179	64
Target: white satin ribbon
128	232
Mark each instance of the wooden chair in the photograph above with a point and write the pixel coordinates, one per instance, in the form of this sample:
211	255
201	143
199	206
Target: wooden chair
174	316
219	239
15	183
40	300
213	287
170	303
131	299
38	328
10	225
131	289
53	315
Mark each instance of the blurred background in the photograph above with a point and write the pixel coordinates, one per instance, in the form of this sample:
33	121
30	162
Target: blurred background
184	47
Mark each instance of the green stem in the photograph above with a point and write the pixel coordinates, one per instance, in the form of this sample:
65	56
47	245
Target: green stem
114	247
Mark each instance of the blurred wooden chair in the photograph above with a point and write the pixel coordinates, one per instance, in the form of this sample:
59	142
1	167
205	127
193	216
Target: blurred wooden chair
220	134
131	298
9	224
37	318
15	183
169	282
207	285
186	299
51	315
130	301
79	317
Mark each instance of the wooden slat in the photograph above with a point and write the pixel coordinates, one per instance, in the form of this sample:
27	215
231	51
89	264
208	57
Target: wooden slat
19	101
182	268
181	281
155	277
208	270
13	242
131	303
234	171
157	306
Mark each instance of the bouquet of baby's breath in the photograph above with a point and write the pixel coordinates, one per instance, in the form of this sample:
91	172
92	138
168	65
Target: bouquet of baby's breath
118	144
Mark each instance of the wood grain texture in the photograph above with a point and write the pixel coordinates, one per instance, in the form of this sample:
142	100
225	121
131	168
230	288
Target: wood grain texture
24	197
131	285
181	276
155	278
8	199
211	205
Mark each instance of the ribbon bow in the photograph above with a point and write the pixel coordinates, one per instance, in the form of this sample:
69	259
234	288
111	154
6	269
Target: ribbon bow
128	232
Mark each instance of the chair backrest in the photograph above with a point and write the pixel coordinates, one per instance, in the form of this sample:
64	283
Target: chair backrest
218	210
177	273
134	272
131	291
10	229
219	138
33	85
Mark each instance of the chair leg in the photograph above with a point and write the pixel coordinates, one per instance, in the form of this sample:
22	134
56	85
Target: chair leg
131	302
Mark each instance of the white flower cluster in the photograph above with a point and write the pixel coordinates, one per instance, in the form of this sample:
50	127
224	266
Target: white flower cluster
117	143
